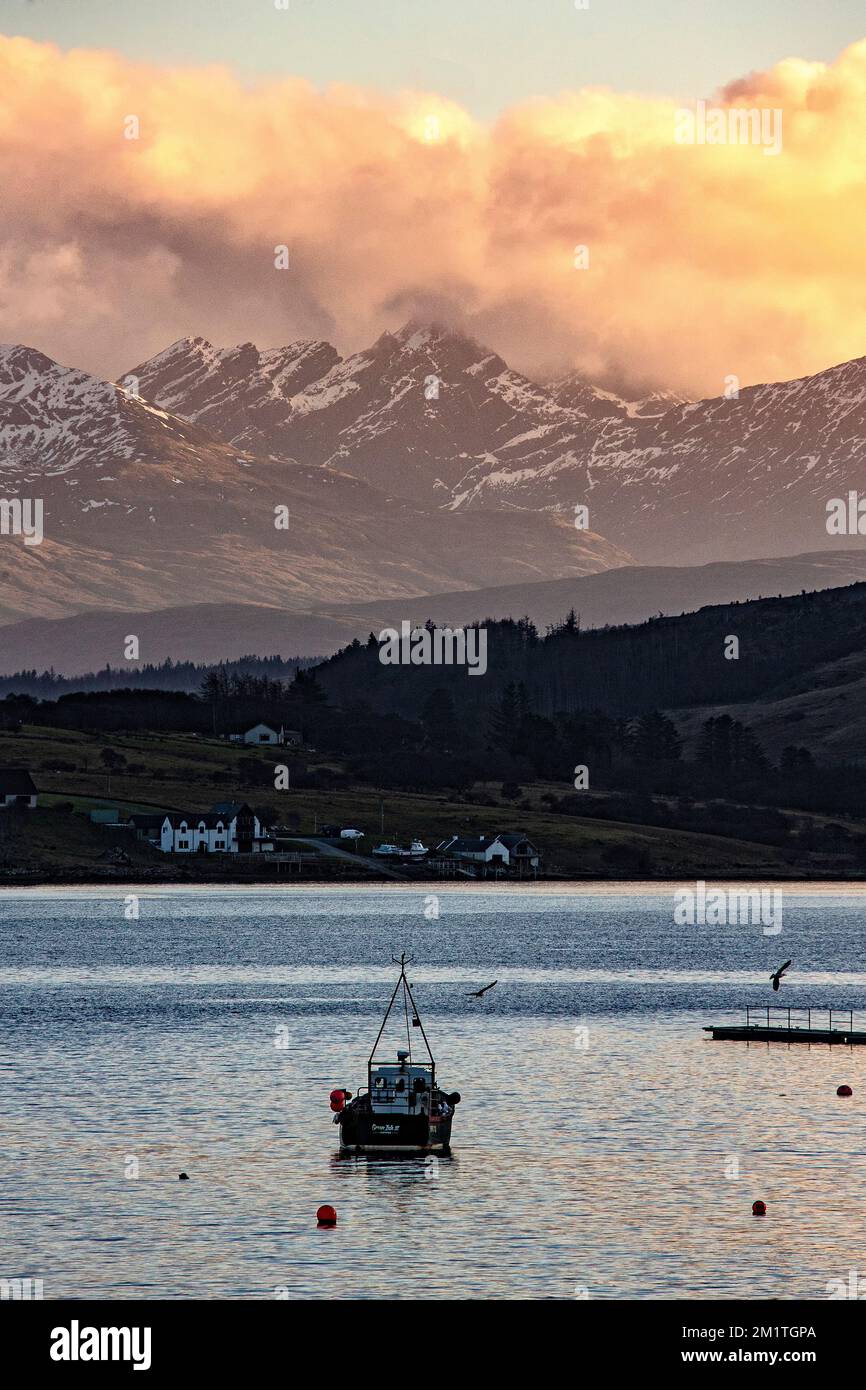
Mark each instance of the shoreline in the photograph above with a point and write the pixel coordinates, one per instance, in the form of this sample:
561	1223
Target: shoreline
540	887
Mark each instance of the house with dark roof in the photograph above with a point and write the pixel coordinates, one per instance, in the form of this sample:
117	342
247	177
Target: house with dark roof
196	832
232	827
147	826
17	788
511	852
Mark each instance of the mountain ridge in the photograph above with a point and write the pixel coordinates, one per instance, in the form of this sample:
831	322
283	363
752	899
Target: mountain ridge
144	509
432	416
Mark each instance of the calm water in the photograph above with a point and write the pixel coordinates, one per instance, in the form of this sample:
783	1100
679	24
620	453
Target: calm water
610	1166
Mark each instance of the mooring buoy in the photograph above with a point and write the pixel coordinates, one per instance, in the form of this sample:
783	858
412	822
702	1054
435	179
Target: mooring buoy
326	1216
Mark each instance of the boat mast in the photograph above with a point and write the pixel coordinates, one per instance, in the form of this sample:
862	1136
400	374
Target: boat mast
408	998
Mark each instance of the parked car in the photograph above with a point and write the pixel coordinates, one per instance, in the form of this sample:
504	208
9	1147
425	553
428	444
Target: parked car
350	834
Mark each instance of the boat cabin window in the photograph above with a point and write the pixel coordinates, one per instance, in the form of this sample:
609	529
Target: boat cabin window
405	1087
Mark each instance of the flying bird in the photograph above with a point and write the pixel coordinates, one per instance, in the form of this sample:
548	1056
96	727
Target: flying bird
776	977
477	993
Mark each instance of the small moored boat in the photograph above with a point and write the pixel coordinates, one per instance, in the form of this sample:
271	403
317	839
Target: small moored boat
416	850
401	1110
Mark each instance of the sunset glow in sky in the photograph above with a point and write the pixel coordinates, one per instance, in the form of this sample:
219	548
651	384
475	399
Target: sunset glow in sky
400	199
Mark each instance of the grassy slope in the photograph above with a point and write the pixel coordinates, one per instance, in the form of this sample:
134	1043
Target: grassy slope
180	776
828	716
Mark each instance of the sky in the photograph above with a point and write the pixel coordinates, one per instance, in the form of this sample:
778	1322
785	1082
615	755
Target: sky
487	55
436	161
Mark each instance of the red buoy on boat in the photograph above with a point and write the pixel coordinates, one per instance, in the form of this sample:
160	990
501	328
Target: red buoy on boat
844	1091
759	1208
326	1216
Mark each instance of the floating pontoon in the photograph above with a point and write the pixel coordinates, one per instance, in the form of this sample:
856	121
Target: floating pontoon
768	1023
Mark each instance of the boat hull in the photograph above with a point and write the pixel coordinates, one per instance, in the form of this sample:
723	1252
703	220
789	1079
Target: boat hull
367	1132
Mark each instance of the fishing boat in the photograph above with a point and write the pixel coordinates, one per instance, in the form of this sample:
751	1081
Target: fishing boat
401	1109
388	851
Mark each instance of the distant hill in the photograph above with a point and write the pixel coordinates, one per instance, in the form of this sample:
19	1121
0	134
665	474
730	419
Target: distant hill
223	631
800	677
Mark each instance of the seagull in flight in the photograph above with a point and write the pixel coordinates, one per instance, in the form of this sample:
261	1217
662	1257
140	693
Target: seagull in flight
477	993
777	976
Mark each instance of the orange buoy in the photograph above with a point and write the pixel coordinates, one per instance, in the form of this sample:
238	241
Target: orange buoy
844	1091
759	1208
326	1216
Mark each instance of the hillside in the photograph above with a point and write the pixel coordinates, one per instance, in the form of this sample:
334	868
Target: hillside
58	843
697	764
143	510
222	631
825	710
786	646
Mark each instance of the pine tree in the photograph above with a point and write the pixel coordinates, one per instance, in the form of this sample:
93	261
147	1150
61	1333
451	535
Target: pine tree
654	738
504	721
438	717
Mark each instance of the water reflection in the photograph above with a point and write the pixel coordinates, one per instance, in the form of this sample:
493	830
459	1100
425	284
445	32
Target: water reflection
626	1164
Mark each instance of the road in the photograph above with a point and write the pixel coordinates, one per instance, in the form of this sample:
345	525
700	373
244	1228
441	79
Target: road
328	847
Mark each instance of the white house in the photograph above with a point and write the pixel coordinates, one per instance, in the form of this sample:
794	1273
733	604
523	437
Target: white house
196	834
16	788
230	828
510	851
263	734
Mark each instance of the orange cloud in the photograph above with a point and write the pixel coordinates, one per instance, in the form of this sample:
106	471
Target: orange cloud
705	260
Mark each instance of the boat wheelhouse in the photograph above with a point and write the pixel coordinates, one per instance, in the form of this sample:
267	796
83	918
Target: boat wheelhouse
401	1110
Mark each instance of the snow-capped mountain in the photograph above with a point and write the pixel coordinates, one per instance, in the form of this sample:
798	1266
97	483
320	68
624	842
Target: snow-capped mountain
411	414
576	393
70	435
431	416
714	479
239	393
423	464
143	509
